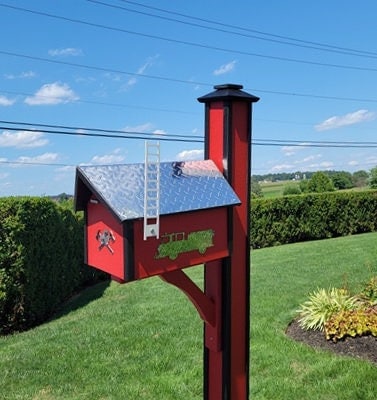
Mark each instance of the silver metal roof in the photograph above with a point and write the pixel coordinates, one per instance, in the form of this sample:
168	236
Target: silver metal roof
187	186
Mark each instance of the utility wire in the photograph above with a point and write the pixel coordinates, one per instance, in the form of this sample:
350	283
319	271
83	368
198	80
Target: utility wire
281	40
330	46
110	133
176	41
101	69
42	164
257	90
176	80
80	130
102	103
131	135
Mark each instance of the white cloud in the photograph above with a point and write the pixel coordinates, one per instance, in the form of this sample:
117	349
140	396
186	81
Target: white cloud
292	150
52	93
5	102
112	158
131	82
141	70
345	120
112	76
159	132
4	175
225	68
319	166
66	169
45	158
326	164
282	167
139	128
22	139
68	51
22	75
187	155
308	159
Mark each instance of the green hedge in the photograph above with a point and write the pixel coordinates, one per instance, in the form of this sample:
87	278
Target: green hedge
41	260
299	218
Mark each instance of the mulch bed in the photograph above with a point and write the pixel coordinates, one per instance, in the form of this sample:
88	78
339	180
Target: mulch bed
364	347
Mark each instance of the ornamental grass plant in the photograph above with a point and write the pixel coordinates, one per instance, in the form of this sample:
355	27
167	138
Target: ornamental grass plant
322	305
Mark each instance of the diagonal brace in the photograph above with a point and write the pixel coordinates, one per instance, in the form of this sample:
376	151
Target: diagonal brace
204	305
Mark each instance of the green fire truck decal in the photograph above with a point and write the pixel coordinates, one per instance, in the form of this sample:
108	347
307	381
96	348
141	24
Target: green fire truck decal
175	244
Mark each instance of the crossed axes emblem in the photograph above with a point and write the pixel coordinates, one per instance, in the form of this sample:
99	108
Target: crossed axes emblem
105	238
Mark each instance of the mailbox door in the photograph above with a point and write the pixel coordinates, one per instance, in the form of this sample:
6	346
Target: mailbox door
186	239
104	241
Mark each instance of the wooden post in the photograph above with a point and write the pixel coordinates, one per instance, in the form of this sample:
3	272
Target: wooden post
228	113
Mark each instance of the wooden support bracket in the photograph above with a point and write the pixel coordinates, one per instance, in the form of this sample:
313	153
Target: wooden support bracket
204	305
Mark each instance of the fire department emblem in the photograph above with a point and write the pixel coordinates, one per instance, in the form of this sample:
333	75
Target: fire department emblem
105	238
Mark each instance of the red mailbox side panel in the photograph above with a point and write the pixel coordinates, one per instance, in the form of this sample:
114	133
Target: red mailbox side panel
186	240
104	241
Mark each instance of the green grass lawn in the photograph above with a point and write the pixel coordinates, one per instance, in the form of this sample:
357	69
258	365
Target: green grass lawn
144	340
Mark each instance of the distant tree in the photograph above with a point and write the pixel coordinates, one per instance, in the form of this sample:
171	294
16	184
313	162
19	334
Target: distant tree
320	183
291	189
360	178
342	180
256	190
373	178
304	186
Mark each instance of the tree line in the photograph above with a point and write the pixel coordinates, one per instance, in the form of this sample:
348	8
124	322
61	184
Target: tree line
317	182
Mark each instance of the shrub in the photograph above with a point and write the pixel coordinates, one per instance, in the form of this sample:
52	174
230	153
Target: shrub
352	323
320	182
369	292
322	305
291	189
41	260
305	217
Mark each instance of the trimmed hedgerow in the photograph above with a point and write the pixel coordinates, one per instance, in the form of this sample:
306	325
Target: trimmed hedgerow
311	216
41	260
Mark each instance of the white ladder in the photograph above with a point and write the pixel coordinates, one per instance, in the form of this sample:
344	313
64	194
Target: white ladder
152	190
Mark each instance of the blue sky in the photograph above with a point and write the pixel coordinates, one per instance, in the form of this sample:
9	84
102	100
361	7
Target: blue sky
139	66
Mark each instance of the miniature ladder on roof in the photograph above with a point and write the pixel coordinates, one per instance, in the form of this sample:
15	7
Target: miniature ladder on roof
152	190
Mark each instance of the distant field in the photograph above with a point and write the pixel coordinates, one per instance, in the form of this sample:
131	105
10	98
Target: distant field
275	189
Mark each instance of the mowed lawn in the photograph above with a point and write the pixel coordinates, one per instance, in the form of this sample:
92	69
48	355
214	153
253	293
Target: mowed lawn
144	340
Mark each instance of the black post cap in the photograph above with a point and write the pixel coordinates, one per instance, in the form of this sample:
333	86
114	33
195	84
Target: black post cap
228	91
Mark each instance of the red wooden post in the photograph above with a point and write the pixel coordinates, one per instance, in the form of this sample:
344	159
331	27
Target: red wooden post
227	282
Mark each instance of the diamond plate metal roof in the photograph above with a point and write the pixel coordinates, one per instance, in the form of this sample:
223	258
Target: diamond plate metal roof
187	186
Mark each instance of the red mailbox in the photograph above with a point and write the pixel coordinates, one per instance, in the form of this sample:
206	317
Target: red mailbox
193	225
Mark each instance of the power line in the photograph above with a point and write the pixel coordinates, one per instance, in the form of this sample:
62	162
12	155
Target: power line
103	103
176	80
98	134
313	144
117	134
277	38
176	41
258	90
101	69
41	164
80	129
330	46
